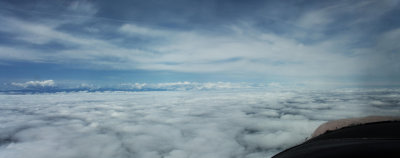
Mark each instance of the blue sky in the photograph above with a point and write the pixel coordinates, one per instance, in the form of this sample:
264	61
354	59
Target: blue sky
114	42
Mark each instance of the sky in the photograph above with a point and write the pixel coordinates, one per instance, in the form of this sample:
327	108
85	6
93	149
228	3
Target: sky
295	42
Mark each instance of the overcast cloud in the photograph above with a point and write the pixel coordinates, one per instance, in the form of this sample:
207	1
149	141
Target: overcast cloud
249	123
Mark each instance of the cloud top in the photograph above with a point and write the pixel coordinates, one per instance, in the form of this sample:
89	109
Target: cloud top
35	84
183	86
176	124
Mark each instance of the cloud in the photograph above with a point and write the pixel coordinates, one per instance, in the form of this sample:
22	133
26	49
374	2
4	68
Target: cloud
82	8
35	84
344	14
144	31
274	85
39	33
41	86
11	53
250	51
324	40
386	41
246	123
183	86
63	86
314	19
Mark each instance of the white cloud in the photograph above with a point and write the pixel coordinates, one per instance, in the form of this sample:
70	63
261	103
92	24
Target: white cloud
45	83
145	31
248	52
39	33
11	53
274	85
220	124
82	8
185	85
331	15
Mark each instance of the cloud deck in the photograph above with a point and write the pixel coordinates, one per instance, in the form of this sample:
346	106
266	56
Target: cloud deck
175	124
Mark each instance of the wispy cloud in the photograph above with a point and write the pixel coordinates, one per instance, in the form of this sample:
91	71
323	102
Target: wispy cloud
144	31
325	40
249	51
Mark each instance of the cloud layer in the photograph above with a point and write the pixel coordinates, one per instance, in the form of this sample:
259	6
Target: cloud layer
248	123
